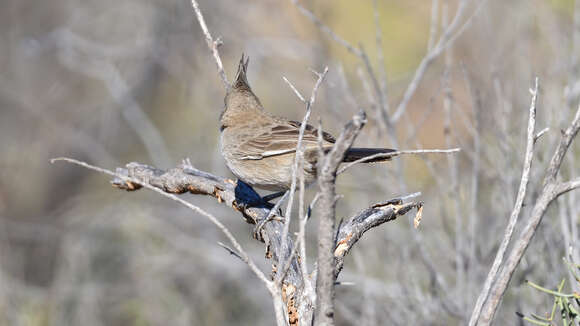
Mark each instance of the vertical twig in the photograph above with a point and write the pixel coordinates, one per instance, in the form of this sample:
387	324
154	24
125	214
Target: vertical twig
211	44
298	167
491	276
327	167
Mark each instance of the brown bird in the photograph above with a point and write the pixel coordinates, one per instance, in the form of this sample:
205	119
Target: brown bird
260	148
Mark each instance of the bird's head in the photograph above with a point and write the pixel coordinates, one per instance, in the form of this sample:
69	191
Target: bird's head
239	99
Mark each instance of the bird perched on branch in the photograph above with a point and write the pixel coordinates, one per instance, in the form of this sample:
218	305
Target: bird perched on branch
260	148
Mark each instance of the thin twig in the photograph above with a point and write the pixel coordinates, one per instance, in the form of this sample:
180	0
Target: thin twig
327	167
567	186
211	44
491	276
297	168
230	250
541	133
244	256
294	89
409	196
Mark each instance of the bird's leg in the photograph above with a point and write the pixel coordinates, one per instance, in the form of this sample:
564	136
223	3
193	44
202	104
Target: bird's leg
271	216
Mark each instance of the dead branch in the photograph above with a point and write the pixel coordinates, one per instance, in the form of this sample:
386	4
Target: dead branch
550	190
516	210
298	175
352	230
327	167
242	198
211	44
163	183
297	168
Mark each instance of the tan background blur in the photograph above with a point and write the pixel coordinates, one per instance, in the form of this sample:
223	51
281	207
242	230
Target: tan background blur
111	82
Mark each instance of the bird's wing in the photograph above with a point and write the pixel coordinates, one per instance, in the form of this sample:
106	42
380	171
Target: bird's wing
282	138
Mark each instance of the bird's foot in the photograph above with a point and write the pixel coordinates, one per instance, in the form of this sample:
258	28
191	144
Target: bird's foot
272	216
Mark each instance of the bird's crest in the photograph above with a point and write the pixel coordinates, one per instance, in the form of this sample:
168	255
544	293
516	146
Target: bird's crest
241	81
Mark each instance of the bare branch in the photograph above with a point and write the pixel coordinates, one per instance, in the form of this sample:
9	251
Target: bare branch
491	276
327	167
567	137
297	168
550	191
351	231
186	178
133	182
541	133
409	196
211	44
238	196
230	251
294	89
567	186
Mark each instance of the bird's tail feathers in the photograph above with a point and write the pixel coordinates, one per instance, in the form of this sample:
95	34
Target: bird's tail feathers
354	154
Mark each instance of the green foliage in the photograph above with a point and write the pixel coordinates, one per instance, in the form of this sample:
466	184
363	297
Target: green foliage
568	305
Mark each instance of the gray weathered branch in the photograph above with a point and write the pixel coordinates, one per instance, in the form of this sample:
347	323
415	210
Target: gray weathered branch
242	198
550	190
491	276
212	44
352	230
327	167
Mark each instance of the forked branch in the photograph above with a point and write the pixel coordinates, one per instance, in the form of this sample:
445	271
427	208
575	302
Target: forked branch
242	198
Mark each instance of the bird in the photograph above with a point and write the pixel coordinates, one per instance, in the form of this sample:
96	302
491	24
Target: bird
259	148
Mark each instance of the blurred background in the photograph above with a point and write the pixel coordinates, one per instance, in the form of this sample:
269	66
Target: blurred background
111	82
